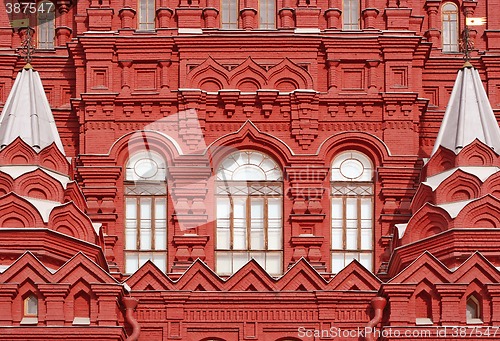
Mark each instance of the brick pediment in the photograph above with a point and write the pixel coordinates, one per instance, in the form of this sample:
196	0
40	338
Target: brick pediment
356	276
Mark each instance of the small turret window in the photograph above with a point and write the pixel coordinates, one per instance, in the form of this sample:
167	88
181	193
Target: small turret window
473	311
30	310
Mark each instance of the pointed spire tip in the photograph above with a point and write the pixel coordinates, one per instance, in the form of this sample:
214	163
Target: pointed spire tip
27	66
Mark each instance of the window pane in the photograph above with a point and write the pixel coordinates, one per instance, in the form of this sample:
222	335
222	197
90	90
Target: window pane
274	263
366	239
260	257
366	208
351	239
145	208
224	262
131	208
351	208
159	261
337	239
145	238
223	235
240	224
223	208
31	305
131	239
275	235
337	262
160	238
337	208
257	224
131	263
239	259
366	260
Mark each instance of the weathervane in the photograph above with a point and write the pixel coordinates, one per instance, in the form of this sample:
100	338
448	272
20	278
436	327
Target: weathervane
466	44
27	47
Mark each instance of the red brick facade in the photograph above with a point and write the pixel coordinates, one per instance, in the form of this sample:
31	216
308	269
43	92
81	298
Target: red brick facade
192	93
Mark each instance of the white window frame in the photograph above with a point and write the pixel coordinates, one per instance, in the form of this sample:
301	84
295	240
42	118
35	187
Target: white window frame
146	16
145	211
46	25
236	193
450	27
352	206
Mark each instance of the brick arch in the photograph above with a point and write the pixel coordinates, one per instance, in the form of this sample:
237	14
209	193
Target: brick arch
365	143
52	158
249	70
427	221
69	220
288	70
210	84
248	84
6	183
17	152
443	160
250	137
492	186
17	211
477	154
423	195
481	213
40	185
133	142
208	70
458	186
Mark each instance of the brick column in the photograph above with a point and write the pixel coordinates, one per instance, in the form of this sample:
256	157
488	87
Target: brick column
7	293
451	311
54	301
399	299
107	298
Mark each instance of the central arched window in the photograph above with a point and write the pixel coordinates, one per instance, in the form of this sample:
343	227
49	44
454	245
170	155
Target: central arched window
30	310
229	14
145	211
249	213
350	14
146	15
450	27
45	29
352	210
267	14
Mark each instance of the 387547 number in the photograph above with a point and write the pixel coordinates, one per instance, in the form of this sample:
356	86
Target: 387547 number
29	7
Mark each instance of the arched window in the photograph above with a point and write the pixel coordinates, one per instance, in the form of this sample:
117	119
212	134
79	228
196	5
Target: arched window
473	310
30	310
146	15
350	14
423	309
352	210
229	14
449	13
267	14
45	29
249	213
145	211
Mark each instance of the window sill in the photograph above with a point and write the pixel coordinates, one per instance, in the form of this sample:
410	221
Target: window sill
29	320
423	321
475	321
81	321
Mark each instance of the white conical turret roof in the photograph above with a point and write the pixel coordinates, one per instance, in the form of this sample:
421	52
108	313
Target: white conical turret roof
468	115
27	114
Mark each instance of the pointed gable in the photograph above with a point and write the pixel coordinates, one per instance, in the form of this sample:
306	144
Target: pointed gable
80	266
251	277
27	114
425	267
476	267
301	275
149	277
354	277
199	276
468	115
26	266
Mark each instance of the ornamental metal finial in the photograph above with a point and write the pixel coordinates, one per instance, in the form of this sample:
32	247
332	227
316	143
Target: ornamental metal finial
467	45
27	47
